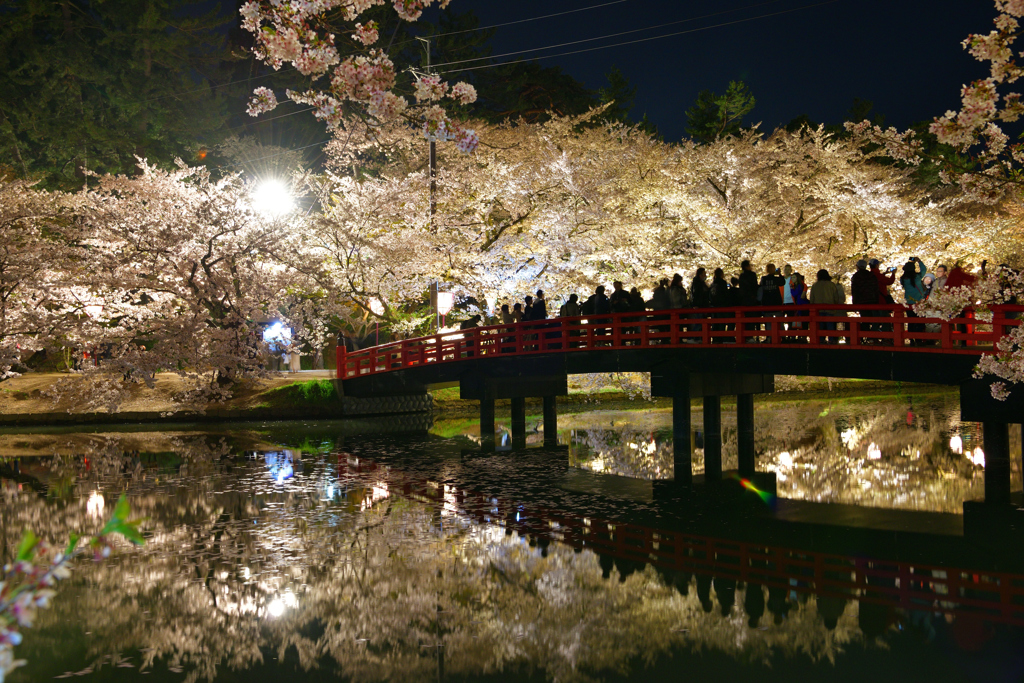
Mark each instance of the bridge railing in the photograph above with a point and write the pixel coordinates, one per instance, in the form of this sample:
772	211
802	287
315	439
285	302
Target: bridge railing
883	327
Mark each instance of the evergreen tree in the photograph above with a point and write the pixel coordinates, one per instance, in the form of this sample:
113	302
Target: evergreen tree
88	85
716	116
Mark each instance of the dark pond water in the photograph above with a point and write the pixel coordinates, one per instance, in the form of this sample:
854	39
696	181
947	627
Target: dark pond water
379	551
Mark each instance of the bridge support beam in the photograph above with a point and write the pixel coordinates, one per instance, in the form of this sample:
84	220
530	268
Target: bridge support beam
745	434
519	422
997	463
550	421
487	438
682	449
712	438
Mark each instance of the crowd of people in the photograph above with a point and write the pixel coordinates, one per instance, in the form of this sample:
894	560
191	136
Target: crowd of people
776	289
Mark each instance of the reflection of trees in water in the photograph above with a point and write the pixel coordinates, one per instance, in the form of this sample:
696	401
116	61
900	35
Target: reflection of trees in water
237	566
858	452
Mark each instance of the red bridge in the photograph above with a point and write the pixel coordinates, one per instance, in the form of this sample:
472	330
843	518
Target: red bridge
702	353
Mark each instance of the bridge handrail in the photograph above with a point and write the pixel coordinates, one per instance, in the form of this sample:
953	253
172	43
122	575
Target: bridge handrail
865	326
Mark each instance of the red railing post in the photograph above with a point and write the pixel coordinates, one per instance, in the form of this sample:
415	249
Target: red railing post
899	319
339	358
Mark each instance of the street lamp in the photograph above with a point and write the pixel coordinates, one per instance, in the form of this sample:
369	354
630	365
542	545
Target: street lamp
272	198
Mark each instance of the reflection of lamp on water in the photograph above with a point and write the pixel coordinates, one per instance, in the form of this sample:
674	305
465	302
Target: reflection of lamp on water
978	457
874	452
956	444
281	464
377	308
445	303
94	506
276	607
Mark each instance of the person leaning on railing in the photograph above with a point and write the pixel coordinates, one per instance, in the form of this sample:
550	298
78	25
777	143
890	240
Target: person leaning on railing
912	281
721	297
864	291
824	291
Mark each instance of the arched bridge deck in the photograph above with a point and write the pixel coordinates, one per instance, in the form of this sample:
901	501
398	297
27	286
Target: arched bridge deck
877	342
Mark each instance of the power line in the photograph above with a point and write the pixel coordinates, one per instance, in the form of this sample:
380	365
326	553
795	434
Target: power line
620	33
631	42
271	156
517	21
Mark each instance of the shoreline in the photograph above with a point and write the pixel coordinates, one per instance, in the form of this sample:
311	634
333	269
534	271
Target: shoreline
311	396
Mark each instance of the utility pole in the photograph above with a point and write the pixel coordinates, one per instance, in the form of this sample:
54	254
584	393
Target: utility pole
432	161
433	146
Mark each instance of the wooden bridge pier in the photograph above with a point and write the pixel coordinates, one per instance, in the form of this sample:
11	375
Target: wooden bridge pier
682	385
550	421
487	388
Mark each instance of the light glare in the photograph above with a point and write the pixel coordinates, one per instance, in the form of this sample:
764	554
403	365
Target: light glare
272	198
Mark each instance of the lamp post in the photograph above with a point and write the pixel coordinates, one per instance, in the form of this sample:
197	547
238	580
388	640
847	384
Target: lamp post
445	303
377	308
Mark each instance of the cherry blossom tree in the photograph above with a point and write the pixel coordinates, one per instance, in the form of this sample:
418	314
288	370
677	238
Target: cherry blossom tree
42	260
182	275
358	72
985	164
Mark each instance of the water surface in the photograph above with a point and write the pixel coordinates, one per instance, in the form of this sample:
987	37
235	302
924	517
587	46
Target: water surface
333	551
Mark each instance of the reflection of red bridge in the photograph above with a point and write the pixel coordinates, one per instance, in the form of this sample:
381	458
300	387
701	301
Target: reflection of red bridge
994	595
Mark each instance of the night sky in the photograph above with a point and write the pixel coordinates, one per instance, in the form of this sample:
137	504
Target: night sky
904	55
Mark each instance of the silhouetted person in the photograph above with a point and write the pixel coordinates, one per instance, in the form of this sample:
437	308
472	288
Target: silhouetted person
718	292
571	308
700	292
748	284
659	297
597	303
677	293
636	300
864	290
540	307
470	323
619	300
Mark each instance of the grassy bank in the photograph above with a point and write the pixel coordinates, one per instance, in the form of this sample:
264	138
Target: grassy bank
25	401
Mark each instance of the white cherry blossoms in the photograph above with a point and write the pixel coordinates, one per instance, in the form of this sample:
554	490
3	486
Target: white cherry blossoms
436	124
297	32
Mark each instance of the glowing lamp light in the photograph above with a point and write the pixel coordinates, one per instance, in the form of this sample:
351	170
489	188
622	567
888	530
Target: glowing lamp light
445	302
785	459
874	452
956	444
376	307
492	302
273	199
277	333
276	607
